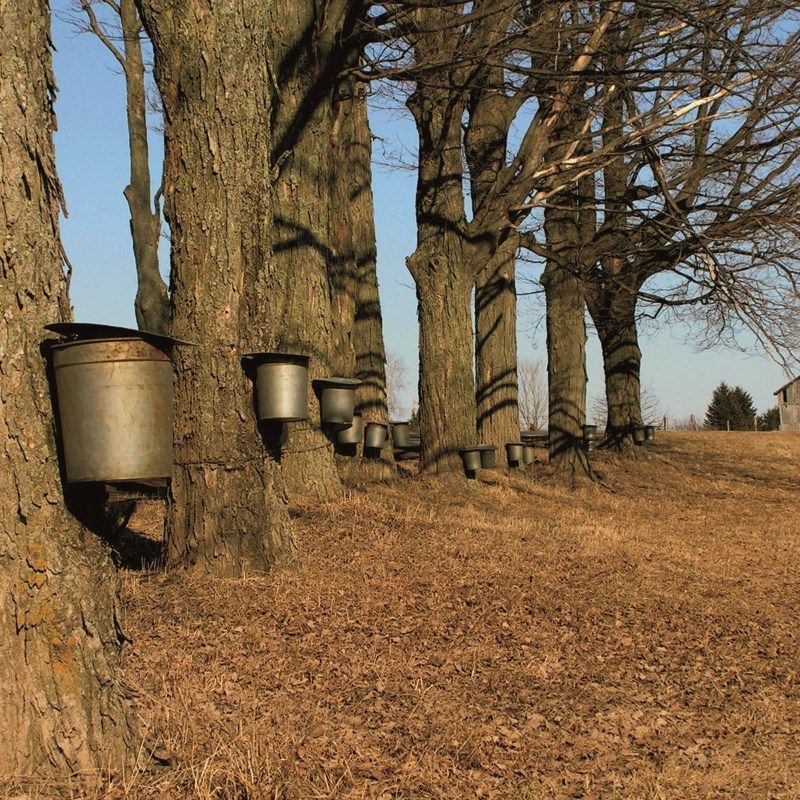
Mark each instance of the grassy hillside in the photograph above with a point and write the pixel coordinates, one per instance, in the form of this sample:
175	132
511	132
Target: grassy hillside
510	638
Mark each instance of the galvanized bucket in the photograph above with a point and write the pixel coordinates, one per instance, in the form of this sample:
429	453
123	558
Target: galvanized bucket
375	435
115	409
471	458
114	395
528	454
281	386
589	433
649	433
337	400
354	434
514	453
638	435
488	456
540	438
401	434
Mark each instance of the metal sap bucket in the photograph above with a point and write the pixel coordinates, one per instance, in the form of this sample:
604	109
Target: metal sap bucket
470	458
354	434
590	436
114	390
281	386
514	453
375	435
649	433
535	438
488	456
401	434
528	454
337	400
638	435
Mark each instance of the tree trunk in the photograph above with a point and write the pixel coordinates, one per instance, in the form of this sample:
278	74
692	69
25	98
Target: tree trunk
304	57
63	703
612	290
444	280
496	348
566	345
152	299
446	385
615	322
228	513
486	143
353	270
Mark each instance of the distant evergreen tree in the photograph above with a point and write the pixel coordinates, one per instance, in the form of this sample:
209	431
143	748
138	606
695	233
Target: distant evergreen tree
720	408
730	406
770	420
745	409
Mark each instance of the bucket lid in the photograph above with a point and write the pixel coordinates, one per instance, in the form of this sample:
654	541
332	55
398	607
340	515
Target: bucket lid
345	383
378	425
471	449
90	330
484	447
515	444
277	358
399	422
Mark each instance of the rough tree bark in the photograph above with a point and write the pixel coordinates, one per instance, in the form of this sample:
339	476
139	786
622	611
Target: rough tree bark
486	140
566	343
228	514
152	299
496	348
447	409
614	316
360	350
63	702
611	290
307	52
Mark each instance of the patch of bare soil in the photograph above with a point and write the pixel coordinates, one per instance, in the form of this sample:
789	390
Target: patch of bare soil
505	638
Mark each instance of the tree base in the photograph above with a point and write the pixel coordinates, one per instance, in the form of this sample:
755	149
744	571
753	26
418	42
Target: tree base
308	465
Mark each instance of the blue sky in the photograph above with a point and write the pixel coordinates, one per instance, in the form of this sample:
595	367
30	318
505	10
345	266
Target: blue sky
92	157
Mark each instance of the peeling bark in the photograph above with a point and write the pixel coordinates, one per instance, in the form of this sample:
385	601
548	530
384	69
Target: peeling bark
63	702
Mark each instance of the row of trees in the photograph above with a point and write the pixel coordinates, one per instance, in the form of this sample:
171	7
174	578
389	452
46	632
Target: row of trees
732	409
657	145
645	152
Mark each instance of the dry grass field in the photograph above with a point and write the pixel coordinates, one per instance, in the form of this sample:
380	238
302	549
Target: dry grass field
505	638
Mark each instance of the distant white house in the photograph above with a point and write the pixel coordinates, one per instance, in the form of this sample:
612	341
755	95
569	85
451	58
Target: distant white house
789	405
